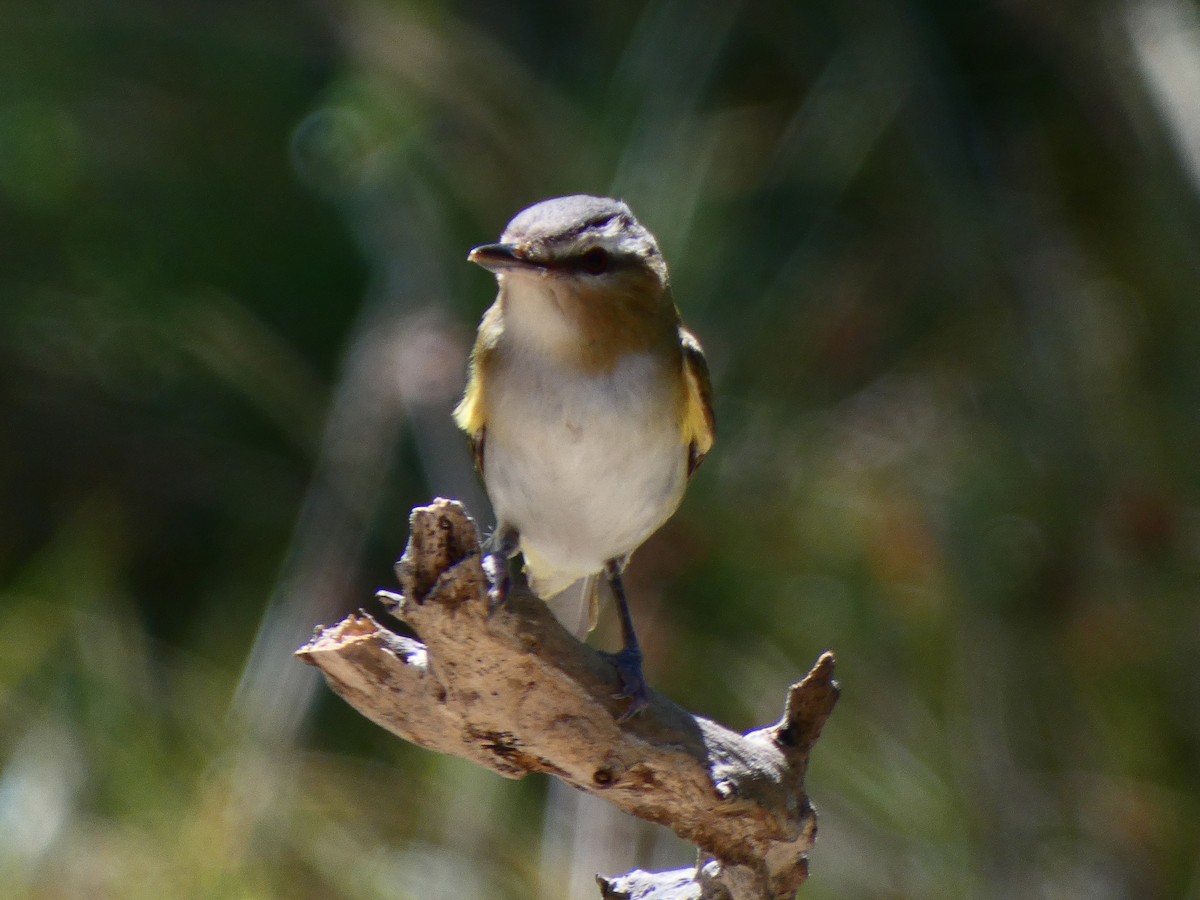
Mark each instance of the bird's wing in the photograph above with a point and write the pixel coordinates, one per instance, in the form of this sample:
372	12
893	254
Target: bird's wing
469	416
471	413
699	423
476	442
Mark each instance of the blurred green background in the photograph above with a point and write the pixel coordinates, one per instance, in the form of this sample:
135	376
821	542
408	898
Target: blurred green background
945	259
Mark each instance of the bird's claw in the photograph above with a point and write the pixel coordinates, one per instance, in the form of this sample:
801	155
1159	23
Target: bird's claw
495	567
628	663
390	599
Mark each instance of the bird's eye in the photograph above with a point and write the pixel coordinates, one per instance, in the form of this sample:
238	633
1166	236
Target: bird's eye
595	261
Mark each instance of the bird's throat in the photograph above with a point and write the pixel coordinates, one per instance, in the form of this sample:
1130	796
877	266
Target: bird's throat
590	329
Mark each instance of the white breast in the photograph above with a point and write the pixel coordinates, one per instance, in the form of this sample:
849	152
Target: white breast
585	467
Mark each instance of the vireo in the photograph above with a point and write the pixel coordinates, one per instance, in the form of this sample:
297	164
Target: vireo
588	406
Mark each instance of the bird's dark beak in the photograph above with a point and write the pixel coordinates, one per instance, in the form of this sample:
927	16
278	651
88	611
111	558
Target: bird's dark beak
501	257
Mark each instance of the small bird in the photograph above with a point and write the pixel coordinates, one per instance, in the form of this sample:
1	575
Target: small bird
588	406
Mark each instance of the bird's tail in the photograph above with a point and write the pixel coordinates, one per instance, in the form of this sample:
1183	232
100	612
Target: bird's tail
575	602
578	606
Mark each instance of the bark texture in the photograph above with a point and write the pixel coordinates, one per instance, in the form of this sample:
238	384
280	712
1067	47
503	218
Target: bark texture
515	693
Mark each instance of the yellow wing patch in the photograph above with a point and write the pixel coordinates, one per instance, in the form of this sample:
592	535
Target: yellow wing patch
699	423
471	413
469	416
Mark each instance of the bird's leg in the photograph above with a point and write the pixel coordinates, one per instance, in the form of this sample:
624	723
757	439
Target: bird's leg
629	660
502	546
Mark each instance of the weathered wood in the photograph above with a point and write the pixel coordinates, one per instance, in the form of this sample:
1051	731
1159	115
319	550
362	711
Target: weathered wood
514	692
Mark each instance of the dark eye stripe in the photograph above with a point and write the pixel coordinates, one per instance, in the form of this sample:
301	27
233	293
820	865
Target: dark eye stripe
598	221
597	261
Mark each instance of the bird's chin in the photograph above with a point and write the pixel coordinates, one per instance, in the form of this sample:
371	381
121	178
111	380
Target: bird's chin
534	292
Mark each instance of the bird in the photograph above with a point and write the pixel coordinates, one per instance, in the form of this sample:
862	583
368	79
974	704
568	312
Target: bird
588	408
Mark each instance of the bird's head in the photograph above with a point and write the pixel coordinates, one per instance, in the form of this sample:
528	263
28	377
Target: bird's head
584	280
592	243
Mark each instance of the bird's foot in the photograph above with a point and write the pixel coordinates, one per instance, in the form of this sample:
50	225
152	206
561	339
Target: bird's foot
495	567
390	599
628	663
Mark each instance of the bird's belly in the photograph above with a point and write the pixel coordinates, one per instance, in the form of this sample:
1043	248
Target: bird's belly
585	468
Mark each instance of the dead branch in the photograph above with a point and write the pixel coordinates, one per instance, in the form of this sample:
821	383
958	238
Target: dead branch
516	693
